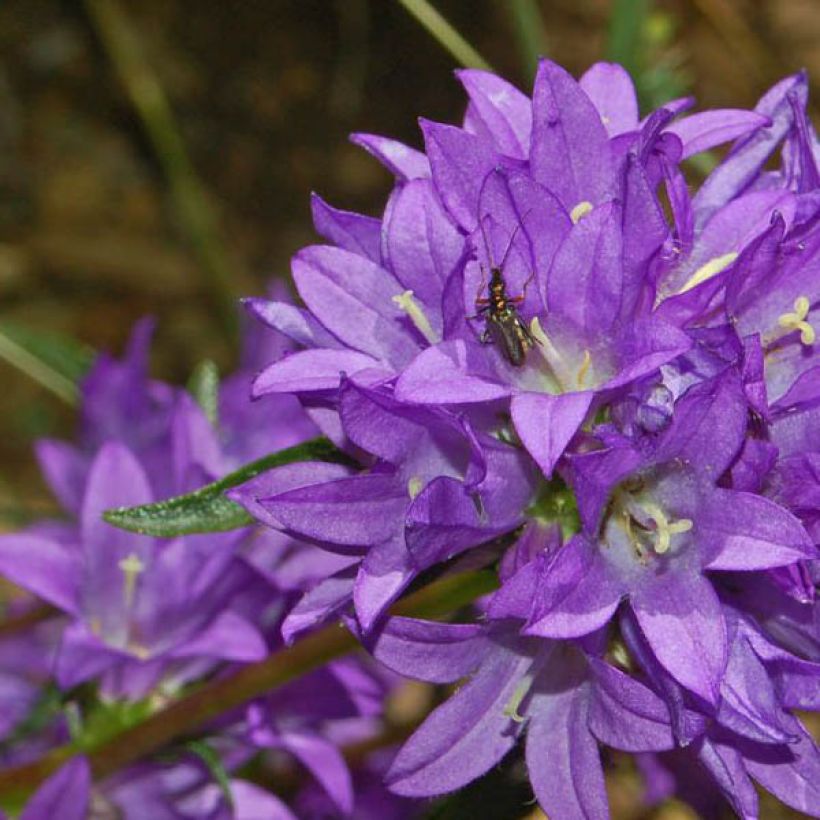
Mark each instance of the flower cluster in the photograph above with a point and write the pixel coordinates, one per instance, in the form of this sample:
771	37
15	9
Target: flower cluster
549	356
552	360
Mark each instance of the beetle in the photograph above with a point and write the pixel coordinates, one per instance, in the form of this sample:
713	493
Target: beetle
504	326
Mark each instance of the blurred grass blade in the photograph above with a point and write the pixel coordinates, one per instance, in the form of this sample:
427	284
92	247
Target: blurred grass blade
529	31
53	361
122	42
626	29
204	387
209	756
446	35
207	509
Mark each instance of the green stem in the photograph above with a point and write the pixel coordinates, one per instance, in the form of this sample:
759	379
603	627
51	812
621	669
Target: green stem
36	369
529	30
196	214
446	35
192	712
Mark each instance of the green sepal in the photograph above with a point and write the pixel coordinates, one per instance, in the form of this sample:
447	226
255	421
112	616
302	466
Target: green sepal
207	509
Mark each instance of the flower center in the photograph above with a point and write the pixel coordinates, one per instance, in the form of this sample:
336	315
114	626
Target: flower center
414	486
407	302
565	377
647	525
796	321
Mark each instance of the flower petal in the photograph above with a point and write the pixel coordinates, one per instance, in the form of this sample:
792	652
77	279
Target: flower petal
460	161
66	794
562	758
625	714
47	568
504	112
681	617
748	532
455	372
547	423
346	229
326	764
465	736
228	637
428	650
310	371
612	92
570	154
405	162
702	131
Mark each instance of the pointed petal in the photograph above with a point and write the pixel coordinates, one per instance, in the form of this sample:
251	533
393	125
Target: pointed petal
746	159
503	111
310	371
65	469
320	604
625	714
570	154
352	297
465	736
385	572
748	532
726	766
681	617
228	637
459	161
422	244
577	593
562	758
47	568
405	162
82	656
547	423
295	323
454	372
791	774
585	281
612	92
358	511
428	650
702	131
325	763
346	229
66	794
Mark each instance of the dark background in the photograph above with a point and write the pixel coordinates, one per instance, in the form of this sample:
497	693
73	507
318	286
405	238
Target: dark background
264	93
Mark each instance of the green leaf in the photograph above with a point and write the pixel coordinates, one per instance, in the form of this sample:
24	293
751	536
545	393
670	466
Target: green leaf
204	387
57	362
211	759
207	509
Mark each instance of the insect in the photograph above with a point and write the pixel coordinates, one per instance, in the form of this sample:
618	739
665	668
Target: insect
504	325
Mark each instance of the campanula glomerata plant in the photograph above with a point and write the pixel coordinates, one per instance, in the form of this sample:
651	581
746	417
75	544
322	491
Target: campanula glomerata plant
552	362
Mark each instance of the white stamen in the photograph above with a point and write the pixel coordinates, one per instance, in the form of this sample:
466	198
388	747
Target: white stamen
712	268
413	309
580	211
414	486
131	567
665	528
797	321
551	356
583	370
511	709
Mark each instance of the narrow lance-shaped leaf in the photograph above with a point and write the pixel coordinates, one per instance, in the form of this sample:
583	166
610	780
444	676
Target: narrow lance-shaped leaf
207	509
